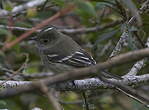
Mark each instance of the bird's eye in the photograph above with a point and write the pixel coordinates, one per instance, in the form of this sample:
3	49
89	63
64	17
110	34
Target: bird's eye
45	41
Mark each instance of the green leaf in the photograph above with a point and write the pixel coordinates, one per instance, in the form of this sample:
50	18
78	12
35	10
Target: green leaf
3	104
100	5
7	5
58	2
31	70
4	32
86	9
106	36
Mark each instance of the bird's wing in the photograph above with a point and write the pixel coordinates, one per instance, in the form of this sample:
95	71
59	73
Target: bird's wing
77	59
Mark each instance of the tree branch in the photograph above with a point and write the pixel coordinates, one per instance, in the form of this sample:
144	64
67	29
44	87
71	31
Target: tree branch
85	84
138	65
120	44
80	73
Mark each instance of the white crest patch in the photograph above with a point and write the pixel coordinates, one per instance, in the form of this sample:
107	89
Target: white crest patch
48	29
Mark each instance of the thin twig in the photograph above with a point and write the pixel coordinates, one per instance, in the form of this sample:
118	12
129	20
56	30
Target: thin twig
70	31
91	29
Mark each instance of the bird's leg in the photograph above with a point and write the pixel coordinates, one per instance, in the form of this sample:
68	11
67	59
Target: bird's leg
83	95
74	85
85	100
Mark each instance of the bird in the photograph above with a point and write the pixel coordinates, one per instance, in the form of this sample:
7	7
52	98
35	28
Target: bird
60	53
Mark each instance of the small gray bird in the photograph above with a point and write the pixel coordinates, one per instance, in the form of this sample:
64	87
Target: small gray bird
60	53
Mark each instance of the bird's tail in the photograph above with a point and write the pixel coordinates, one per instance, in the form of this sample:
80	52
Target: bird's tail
107	74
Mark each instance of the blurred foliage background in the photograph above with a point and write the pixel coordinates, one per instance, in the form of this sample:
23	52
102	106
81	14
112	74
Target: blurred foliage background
100	43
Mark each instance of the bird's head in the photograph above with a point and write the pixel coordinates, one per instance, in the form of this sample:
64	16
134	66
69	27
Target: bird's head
47	37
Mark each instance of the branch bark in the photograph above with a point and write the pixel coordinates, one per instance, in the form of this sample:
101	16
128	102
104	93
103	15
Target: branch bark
80	73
